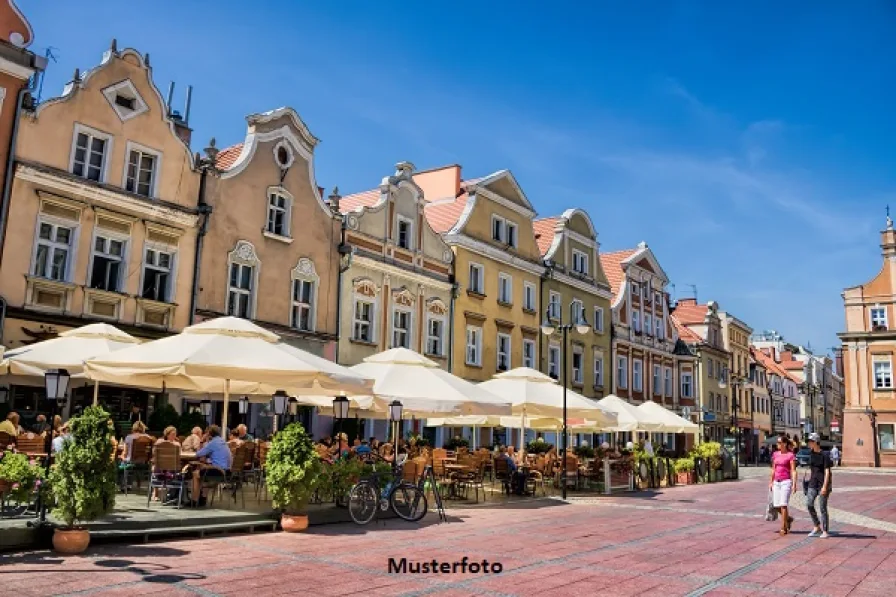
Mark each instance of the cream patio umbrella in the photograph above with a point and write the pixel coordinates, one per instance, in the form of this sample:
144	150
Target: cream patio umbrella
628	415
511	421
423	388
68	351
208	356
534	394
671	423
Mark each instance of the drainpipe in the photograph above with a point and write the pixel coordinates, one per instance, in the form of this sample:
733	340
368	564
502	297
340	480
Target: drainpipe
10	168
542	312
454	289
343	249
205	211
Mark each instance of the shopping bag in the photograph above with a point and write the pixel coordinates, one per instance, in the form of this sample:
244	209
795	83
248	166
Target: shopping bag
771	513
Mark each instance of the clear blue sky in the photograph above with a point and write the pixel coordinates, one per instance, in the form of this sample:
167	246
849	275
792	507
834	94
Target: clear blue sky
752	148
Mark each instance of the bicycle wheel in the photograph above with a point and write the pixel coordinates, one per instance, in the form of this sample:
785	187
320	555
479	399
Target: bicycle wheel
362	502
408	502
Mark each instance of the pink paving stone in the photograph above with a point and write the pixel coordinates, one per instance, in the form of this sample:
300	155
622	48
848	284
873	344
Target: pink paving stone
793	582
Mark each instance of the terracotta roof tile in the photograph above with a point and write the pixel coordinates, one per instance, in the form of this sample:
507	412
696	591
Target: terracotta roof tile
227	156
792	365
443	215
612	266
362	199
689	312
685	333
544	233
771	364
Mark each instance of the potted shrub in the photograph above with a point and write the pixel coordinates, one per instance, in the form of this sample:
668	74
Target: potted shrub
21	478
538	446
456	442
584	451
82	479
684	471
293	473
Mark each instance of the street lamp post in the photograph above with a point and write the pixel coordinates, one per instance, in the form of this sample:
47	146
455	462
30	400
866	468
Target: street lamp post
395	408
56	385
340	411
244	408
872	416
577	322
736	382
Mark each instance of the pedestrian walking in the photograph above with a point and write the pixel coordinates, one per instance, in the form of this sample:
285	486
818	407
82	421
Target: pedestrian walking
835	456
782	481
818	486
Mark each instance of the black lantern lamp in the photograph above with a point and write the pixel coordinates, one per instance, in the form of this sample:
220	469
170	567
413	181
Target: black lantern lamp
244	405
293	407
4	395
340	407
205	407
56	384
395	408
280	400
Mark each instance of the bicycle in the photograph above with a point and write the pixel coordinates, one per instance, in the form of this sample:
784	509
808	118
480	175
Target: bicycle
407	500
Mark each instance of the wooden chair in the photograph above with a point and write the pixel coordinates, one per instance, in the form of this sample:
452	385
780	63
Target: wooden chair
233	480
31	444
140	457
6	440
501	472
474	479
263	448
166	472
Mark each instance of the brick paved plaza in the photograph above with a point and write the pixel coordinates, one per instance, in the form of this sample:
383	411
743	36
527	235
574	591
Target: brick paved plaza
697	540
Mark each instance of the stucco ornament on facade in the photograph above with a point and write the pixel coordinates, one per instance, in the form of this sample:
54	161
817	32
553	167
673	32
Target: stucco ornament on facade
244	252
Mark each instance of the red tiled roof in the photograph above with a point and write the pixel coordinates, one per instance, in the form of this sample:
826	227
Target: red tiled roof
771	364
792	365
685	333
612	266
227	156
689	312
544	233
443	215
362	199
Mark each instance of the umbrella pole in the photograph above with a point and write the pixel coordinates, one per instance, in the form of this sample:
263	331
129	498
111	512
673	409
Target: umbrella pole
523	435
226	404
96	393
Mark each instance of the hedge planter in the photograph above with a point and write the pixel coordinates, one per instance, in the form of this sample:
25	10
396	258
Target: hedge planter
71	541
293	523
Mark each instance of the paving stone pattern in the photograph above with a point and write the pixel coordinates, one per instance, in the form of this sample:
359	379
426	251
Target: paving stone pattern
694	540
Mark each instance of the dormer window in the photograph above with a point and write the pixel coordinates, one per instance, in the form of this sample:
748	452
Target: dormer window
636	290
125	100
404	235
579	262
503	231
510	232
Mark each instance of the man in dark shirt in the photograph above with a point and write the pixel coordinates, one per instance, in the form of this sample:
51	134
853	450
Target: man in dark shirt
819	486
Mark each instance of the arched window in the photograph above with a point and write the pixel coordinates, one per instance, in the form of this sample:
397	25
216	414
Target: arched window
242	266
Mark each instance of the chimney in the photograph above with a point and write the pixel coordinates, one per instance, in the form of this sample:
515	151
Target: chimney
786	355
888	238
686	301
180	127
333	200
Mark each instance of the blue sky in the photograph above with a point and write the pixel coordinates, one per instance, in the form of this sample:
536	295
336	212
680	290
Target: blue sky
752	148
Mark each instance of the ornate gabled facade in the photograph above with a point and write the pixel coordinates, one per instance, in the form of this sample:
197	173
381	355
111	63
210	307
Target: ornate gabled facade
699	326
102	210
272	248
649	362
737	342
487	222
397	290
869	346
574	281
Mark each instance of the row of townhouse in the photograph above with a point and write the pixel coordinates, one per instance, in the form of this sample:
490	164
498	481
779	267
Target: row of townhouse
109	216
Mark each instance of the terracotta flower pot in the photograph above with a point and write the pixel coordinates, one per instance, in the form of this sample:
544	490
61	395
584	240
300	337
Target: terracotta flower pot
684	478
293	523
71	541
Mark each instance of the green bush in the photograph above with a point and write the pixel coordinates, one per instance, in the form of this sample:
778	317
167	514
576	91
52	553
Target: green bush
22	475
684	465
456	442
163	417
189	420
538	446
711	452
418	440
293	469
584	451
83	478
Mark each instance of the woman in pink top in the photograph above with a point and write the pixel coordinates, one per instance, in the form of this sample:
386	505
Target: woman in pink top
782	481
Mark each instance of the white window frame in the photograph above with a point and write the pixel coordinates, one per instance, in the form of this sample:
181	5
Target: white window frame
881	441
622	372
505	353
399	220
371	325
598	370
296	304
109	236
883	373
599	320
636	320
529	296
156	171
479	286
659	324
648	324
637	375
554	361
172	270
578	307
668	382
709	368
554	304
409	332
107	150
73	228
635	290
529	355
876	321
286	210
496	219
440	338
511	234
578	373
687	383
505	280
476	346
251	292
657	388
580	262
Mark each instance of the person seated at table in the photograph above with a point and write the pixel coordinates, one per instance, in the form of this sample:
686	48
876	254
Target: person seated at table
341	448
374	444
169	435
362	448
40	426
214	459
59	441
242	432
11	425
57	425
193	442
235	438
138	429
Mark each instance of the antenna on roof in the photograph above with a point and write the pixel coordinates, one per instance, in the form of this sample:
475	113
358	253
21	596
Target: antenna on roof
188	103
674	298
49	55
169	97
